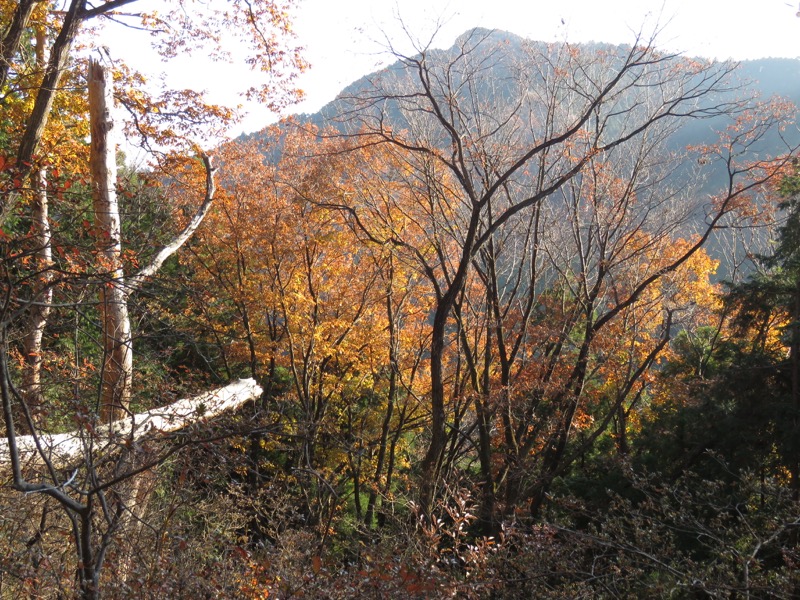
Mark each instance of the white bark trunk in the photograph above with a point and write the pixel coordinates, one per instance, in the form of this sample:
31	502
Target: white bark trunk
40	309
117	376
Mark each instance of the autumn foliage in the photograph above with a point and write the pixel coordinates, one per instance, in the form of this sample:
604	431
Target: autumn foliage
488	314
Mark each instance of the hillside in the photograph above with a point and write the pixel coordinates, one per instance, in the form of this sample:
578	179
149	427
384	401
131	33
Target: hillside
761	78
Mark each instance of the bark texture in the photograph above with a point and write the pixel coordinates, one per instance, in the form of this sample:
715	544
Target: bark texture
117	376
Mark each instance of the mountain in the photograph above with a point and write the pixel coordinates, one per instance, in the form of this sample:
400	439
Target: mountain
764	77
503	71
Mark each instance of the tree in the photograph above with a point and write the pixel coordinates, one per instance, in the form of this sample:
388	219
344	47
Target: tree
118	359
760	373
268	282
562	131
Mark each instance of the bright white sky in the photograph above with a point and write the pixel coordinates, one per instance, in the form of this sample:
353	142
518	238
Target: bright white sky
340	35
344	38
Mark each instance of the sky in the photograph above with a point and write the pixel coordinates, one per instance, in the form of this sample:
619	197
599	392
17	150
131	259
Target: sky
343	38
346	39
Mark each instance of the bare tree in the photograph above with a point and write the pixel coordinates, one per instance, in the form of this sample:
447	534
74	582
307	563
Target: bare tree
494	136
117	344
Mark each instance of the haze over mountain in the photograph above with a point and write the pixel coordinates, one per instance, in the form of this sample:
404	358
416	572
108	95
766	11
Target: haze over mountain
762	78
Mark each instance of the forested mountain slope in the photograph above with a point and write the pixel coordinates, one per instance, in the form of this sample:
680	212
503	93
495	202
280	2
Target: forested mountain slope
763	78
509	255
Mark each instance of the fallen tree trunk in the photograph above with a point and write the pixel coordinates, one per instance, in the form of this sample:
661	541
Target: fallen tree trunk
63	449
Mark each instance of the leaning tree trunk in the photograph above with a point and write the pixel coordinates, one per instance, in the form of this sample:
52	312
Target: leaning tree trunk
45	95
117	373
10	43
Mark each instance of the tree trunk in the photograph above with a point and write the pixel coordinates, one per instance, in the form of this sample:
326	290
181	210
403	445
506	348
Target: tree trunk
10	43
40	308
64	449
43	294
117	373
431	463
390	397
59	59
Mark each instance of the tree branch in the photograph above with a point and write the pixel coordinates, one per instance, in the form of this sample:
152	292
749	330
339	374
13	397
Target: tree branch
135	281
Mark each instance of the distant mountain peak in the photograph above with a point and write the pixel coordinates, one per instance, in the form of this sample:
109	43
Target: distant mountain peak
767	77
480	33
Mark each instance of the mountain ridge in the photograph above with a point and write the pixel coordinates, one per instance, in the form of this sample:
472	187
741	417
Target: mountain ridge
769	76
